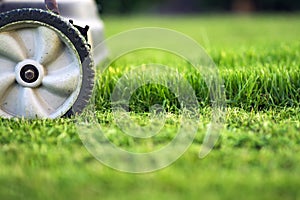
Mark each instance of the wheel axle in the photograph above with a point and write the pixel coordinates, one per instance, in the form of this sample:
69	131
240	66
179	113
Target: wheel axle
29	73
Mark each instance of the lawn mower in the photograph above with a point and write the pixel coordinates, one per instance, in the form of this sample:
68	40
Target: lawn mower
46	64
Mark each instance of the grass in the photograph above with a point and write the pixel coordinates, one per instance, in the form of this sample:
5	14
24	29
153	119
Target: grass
256	156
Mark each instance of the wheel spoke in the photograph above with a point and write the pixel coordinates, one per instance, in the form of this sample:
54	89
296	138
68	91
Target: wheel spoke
29	105
63	82
28	39
6	65
6	80
54	101
23	102
64	59
48	44
10	47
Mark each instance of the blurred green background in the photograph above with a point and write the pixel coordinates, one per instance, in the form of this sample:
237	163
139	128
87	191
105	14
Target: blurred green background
196	6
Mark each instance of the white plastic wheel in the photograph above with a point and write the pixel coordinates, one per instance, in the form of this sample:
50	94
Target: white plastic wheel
43	73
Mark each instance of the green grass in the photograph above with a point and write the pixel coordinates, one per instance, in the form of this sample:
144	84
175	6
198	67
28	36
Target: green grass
256	156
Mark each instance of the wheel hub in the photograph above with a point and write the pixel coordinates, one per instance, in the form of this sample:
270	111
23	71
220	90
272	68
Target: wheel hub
29	73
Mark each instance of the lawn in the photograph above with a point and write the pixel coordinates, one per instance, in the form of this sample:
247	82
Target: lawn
256	156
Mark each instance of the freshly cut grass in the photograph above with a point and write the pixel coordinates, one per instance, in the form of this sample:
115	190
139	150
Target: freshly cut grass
256	156
258	152
253	80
